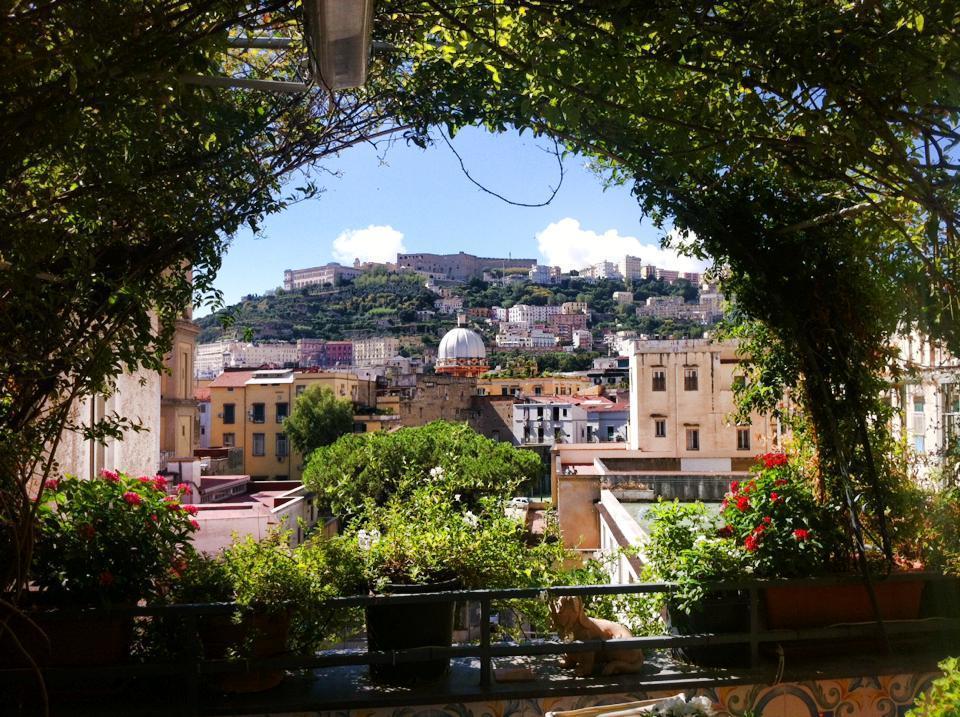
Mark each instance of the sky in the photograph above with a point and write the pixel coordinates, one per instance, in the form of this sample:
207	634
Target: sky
377	202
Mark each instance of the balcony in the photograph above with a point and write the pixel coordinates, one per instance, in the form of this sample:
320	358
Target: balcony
854	669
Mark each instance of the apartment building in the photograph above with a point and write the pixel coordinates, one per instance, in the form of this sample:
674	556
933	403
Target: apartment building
374	351
331	274
179	415
681	402
532	340
631	268
248	409
574	307
623	297
537	386
450	305
325	354
525	313
549	421
212	359
668	276
582	339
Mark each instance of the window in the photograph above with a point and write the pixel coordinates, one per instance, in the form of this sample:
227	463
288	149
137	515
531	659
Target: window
229	440
300	389
540	413
259	444
504	391
539	434
283	410
610	433
659	380
660	427
229	413
538	390
283	449
690	379
556	414
558	435
258	413
919	444
693	439
918	404
743	439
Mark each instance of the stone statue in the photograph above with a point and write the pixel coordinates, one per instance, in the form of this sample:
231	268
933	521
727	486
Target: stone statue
570	620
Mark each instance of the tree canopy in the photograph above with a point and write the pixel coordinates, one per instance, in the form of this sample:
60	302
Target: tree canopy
318	419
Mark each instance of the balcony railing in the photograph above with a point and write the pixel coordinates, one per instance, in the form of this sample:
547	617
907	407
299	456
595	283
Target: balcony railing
473	676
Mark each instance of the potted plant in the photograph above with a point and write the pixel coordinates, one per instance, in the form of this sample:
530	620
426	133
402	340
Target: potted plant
426	543
100	543
280	593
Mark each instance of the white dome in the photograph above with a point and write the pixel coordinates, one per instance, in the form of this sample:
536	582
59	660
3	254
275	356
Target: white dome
461	343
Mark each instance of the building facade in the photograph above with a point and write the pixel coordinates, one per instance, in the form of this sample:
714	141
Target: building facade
374	351
549	421
327	275
457	267
682	400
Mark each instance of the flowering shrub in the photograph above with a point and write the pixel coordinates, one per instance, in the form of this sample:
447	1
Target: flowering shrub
776	519
108	540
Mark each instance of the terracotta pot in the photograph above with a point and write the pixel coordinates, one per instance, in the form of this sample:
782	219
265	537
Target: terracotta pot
257	635
812	605
400	627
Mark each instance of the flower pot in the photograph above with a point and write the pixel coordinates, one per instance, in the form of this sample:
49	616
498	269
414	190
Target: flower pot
401	627
53	639
726	612
805	606
258	635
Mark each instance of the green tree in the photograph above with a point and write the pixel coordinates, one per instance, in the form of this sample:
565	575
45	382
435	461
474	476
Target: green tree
115	177
318	419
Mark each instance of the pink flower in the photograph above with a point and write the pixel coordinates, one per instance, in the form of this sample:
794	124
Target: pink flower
743	502
154	518
132	498
52	485
170	499
111	476
194	524
159	482
144	480
106	578
801	534
184	488
191	509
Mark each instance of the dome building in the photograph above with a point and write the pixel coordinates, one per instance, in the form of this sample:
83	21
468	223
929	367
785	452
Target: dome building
462	353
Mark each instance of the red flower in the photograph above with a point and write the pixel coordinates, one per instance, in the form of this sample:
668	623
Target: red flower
759	529
773	460
774	496
735	486
154	518
132	498
767	519
170	499
780	481
194	524
726	531
751	543
144	479
159	482
801	534
173	507
191	509
106	578
723	504
184	488
111	476
87	531
743	502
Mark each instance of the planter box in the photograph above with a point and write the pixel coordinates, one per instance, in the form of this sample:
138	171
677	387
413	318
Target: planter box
807	606
401	627
727	612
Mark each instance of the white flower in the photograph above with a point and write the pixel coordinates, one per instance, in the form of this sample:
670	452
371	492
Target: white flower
436	472
470	519
456	497
366	539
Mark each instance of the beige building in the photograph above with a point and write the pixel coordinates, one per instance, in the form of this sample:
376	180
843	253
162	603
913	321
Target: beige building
179	414
248	409
374	351
681	403
327	275
538	386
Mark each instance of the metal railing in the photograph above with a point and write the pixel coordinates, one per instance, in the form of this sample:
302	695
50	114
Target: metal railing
192	670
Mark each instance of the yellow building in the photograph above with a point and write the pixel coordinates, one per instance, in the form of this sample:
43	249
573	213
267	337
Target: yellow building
542	386
248	410
179	420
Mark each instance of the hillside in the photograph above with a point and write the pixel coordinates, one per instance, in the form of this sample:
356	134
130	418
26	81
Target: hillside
387	304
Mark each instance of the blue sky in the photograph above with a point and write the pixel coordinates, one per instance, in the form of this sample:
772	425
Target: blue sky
418	200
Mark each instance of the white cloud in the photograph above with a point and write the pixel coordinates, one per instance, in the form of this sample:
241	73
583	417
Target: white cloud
375	243
568	245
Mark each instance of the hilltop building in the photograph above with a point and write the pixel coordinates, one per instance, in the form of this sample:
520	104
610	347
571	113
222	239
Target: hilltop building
331	274
457	267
